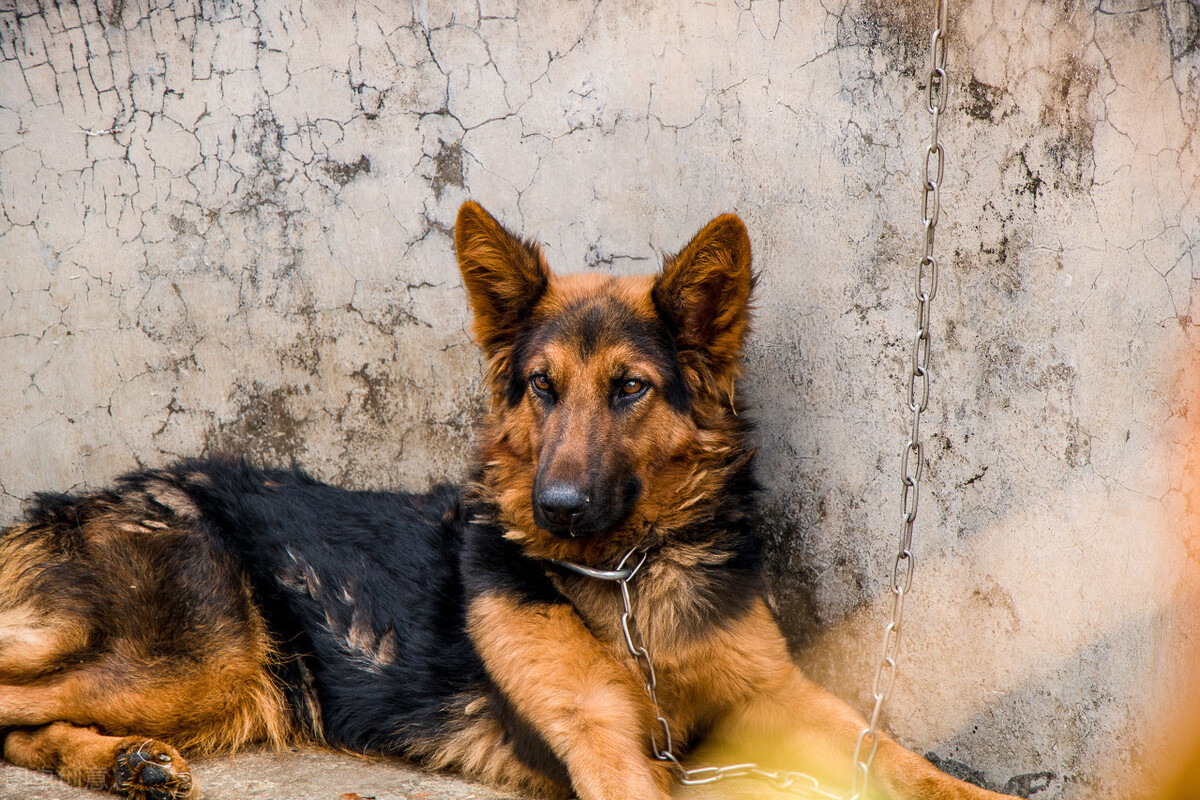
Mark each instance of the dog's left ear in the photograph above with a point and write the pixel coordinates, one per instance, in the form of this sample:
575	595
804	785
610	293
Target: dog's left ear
703	294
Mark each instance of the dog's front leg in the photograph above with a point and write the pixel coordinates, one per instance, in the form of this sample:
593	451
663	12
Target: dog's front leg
798	725
787	722
584	704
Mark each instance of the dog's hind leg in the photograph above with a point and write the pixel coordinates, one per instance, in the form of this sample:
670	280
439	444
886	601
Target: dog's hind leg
29	706
135	767
31	642
117	614
139	768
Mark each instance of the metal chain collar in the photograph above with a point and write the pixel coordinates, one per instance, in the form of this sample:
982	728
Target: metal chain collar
912	463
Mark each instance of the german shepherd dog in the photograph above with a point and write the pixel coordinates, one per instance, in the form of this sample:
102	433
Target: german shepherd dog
211	604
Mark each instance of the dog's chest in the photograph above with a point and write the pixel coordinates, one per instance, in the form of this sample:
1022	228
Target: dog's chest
664	629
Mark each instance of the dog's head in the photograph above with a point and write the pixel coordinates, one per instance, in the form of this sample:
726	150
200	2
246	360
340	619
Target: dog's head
613	413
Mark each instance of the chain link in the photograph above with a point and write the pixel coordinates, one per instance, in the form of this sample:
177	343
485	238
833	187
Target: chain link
912	462
797	783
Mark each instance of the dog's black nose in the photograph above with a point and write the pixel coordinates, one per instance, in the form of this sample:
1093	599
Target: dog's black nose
562	504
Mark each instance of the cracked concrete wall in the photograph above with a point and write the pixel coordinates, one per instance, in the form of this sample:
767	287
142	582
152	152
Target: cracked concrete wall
226	224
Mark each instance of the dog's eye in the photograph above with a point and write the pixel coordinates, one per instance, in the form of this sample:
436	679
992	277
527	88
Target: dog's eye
541	383
632	387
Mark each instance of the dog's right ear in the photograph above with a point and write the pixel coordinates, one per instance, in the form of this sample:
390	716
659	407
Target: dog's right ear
504	276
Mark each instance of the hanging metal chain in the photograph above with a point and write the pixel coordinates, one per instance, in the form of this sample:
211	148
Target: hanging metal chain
912	463
911	466
797	783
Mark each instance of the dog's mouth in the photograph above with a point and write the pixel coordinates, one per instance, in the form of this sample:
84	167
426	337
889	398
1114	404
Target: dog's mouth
570	535
564	529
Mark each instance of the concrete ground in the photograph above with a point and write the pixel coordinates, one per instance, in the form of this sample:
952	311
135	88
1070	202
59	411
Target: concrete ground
301	774
313	774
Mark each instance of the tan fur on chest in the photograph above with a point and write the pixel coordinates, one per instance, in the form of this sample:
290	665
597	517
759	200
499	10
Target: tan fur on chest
701	671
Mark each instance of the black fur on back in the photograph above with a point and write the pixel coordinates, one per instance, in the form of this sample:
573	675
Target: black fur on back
361	591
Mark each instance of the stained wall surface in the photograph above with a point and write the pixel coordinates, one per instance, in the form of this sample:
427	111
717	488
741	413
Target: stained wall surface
227	225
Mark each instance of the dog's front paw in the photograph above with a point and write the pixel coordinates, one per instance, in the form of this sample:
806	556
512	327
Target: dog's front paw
147	769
